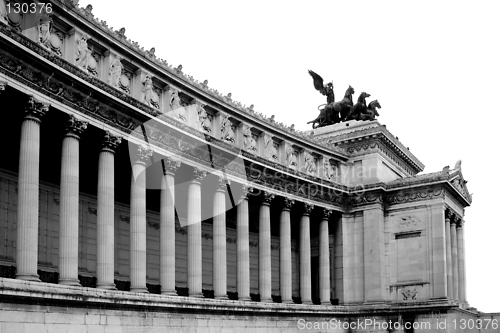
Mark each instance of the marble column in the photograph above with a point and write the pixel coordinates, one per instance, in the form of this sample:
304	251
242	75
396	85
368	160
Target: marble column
138	221
167	227
348	257
454	255
243	246
28	191
219	240
265	247
69	205
286	252
305	256
461	262
324	258
194	234
449	264
106	212
359	258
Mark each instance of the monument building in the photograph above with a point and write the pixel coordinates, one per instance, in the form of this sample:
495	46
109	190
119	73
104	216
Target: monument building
134	197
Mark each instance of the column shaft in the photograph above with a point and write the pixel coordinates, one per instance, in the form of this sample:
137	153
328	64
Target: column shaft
461	263
243	249
359	271
454	258
305	257
449	264
286	254
265	249
324	259
167	228
138	229
28	191
105	213
194	235
69	205
219	242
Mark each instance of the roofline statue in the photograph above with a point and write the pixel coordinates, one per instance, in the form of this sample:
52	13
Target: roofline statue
335	112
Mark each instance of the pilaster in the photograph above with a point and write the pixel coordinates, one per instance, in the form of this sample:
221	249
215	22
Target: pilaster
243	247
348	251
449	264
324	258
454	255
219	240
305	255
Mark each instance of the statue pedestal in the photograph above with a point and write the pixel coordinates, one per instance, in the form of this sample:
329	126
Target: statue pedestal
343	128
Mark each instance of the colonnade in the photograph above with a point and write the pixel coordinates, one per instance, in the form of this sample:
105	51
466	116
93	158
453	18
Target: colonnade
455	257
27	231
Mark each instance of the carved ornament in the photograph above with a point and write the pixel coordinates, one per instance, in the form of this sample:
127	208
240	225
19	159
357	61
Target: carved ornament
245	191
308	208
267	198
35	110
227	129
409	293
222	183
143	154
327	213
110	142
288	203
198	175
170	165
75	126
3	85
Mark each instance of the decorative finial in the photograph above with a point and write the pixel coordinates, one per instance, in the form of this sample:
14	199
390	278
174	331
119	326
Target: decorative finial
272	119
88	9
229	96
458	165
179	69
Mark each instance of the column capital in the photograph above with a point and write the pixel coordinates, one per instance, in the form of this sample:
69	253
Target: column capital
326	213
198	175
35	109
245	191
3	85
142	155
448	214
267	198
308	208
222	183
288	203
460	223
455	219
110	142
170	166
75	127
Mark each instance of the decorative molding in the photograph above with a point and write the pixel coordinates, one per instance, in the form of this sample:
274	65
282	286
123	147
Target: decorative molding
170	165
409	293
408	221
143	154
198	175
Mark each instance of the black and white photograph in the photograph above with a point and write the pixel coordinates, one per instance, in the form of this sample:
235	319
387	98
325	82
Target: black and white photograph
249	166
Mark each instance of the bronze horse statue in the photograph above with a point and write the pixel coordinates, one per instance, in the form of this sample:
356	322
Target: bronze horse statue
334	112
371	111
358	108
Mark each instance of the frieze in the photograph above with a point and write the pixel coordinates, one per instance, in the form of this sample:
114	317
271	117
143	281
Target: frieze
415	195
408	221
409	293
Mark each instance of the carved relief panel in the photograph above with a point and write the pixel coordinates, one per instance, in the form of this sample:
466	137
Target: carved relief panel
250	139
175	105
291	156
204	119
228	129
271	148
310	163
329	169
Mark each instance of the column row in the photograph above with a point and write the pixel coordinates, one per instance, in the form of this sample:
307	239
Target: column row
27	231
455	257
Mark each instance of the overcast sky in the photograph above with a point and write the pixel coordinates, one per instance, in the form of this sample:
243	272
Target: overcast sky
432	65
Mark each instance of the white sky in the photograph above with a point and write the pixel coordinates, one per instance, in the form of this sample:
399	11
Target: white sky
432	65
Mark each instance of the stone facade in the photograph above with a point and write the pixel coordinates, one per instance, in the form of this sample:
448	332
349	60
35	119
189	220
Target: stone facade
136	198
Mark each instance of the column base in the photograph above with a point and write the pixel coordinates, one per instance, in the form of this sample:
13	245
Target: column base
286	301
196	295
266	300
106	286
169	292
138	290
222	297
34	278
70	282
307	303
245	299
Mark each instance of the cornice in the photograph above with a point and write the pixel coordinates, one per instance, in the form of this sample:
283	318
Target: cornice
383	135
